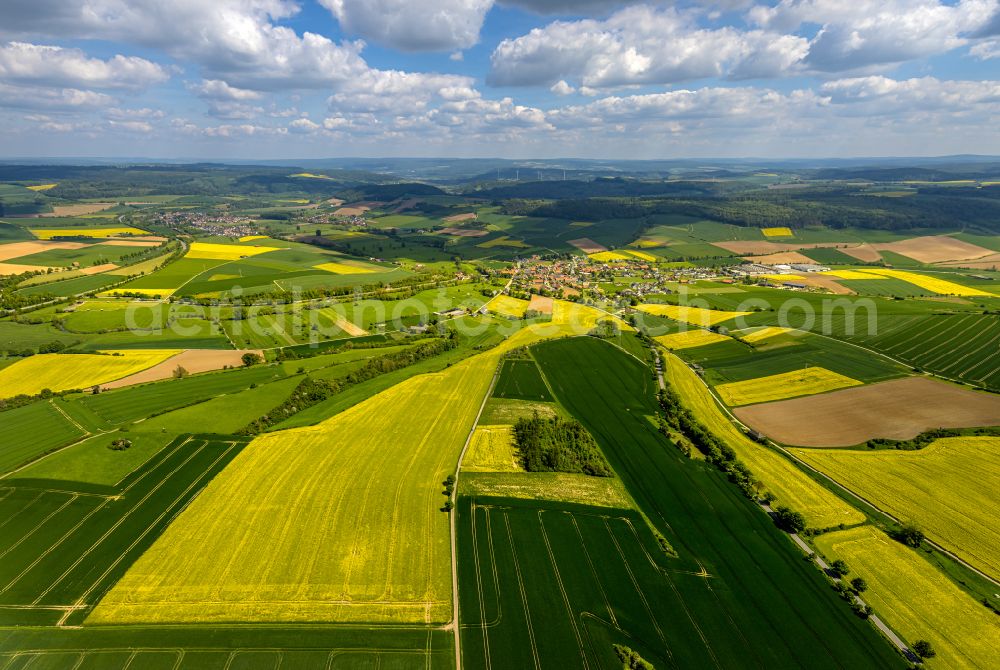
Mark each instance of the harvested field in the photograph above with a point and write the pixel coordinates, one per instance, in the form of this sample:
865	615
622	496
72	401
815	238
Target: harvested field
464	232
16	269
809	381
947	488
588	246
780	231
79	209
354	210
935	249
694	315
192	360
762	247
688	339
345	324
817	280
59	372
916	599
781	257
865	253
991	262
492	450
336	202
224	252
18	249
540	304
460	217
790	485
897	409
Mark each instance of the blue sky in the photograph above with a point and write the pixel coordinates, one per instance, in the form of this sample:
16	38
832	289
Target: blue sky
510	78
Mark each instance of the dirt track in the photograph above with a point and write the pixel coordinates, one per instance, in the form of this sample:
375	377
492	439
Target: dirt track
897	409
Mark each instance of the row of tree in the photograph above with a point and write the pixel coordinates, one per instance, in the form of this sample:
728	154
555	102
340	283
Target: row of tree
311	391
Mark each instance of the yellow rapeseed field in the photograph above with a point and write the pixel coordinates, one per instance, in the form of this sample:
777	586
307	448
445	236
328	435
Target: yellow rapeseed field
42	187
697	337
608	256
310	175
917	600
505	241
642	255
224	252
492	450
508	306
251	238
948	488
59	372
582	318
849	274
695	315
780	231
764	333
807	381
338	522
49	233
929	283
780	476
344	268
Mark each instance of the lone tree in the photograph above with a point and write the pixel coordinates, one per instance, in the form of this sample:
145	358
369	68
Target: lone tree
179	372
839	568
923	649
250	358
910	535
789	520
859	585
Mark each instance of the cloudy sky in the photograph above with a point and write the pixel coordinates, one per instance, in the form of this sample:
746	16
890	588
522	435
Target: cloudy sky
511	78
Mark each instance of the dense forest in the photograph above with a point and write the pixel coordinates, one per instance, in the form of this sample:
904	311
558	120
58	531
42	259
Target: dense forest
558	445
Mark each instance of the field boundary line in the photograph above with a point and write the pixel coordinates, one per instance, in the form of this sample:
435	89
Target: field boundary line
524	598
68	417
593	571
162	515
453	516
562	591
41	458
107	533
38	527
741	426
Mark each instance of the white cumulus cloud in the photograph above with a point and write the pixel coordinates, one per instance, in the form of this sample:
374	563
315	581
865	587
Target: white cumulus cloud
428	25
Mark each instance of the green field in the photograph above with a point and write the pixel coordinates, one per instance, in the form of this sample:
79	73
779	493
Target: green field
520	379
32	430
544	587
73	541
